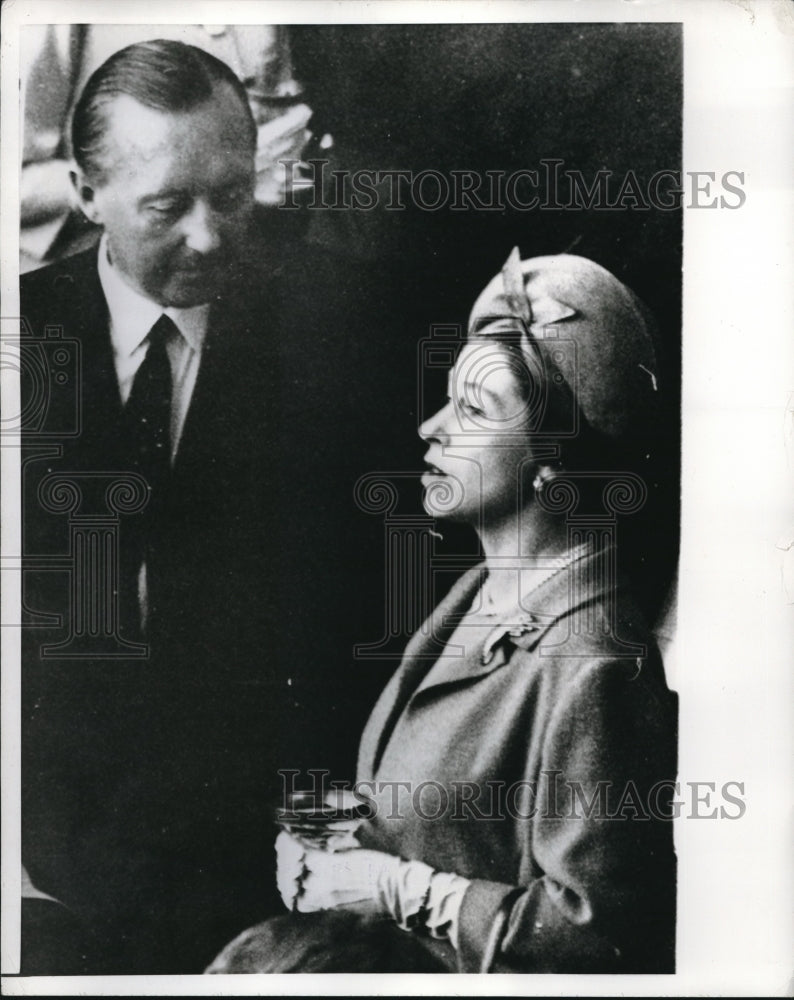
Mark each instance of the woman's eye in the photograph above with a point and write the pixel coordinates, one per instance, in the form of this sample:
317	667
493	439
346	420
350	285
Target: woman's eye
468	407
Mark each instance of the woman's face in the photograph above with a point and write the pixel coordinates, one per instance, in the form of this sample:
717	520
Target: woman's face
479	453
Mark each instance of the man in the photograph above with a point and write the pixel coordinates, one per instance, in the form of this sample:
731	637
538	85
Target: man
56	61
150	706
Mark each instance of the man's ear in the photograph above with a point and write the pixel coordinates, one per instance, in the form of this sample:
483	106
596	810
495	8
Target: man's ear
85	194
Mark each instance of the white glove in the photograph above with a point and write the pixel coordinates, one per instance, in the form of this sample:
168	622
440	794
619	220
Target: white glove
370	883
310	879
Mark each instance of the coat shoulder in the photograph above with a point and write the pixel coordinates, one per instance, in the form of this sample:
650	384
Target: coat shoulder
71	283
599	647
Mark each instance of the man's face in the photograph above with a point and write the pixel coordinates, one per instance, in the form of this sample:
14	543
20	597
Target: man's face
176	196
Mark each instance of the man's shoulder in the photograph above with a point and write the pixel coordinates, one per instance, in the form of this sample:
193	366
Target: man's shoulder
71	278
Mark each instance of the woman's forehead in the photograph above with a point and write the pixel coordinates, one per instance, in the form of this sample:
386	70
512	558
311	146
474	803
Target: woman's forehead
489	367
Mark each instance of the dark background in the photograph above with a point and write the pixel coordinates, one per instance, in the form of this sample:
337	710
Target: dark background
364	288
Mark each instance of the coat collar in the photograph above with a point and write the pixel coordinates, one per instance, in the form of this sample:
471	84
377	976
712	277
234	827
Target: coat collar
587	581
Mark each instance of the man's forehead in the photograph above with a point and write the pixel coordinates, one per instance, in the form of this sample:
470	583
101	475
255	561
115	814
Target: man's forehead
136	127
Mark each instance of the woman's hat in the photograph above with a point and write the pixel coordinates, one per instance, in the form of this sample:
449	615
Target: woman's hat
585	330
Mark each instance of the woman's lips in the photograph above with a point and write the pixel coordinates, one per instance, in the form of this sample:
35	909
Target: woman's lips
433	470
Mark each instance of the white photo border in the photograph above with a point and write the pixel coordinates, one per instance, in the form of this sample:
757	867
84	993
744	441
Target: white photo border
733	649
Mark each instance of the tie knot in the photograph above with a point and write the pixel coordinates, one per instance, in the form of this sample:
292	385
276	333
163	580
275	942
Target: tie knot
162	331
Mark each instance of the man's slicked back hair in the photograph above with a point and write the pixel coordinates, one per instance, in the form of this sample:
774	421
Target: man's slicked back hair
161	74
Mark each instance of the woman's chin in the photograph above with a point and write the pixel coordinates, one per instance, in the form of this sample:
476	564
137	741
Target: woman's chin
443	496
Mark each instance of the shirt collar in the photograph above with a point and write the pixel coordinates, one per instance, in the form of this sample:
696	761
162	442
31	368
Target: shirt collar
132	315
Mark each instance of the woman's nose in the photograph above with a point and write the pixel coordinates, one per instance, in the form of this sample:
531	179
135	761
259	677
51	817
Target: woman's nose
432	429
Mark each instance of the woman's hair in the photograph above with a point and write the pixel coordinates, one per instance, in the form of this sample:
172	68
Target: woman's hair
163	75
552	411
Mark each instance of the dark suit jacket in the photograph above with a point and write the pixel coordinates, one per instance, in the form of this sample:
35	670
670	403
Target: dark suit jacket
147	782
555	712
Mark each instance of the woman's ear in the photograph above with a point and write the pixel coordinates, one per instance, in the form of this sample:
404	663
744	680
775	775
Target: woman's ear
546	473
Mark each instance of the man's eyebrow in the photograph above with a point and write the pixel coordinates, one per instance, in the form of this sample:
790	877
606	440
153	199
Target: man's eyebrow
164	195
233	181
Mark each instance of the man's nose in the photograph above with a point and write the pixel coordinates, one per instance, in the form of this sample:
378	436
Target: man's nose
202	228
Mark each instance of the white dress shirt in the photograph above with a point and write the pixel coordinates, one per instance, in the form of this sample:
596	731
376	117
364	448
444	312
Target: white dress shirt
132	316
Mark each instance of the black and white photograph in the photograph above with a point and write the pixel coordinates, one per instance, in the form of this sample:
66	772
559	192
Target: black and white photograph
398	548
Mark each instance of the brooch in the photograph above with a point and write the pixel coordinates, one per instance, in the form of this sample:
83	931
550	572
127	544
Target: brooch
525	623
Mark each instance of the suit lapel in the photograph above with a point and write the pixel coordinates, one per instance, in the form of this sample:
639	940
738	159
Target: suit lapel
208	390
95	333
229	381
77	305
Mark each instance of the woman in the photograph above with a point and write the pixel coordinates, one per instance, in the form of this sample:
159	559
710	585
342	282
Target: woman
519	763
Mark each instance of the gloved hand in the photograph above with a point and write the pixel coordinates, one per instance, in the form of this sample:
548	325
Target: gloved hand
358	880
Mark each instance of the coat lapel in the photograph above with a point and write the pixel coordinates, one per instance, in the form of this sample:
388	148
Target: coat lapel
584	582
208	392
421	653
554	599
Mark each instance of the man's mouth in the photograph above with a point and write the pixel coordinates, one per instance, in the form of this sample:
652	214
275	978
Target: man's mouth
196	270
203	267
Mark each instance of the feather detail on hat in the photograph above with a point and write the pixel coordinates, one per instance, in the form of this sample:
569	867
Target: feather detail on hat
513	280
538	314
584	333
547	311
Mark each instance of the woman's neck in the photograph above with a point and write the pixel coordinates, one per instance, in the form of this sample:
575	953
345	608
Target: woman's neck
519	554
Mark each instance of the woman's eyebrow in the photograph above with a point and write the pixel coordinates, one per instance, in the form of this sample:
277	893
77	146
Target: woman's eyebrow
474	387
478	387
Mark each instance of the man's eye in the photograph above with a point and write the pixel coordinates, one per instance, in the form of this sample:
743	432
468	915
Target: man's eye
165	209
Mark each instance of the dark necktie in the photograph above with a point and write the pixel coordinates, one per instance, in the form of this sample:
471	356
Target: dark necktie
148	409
147	420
